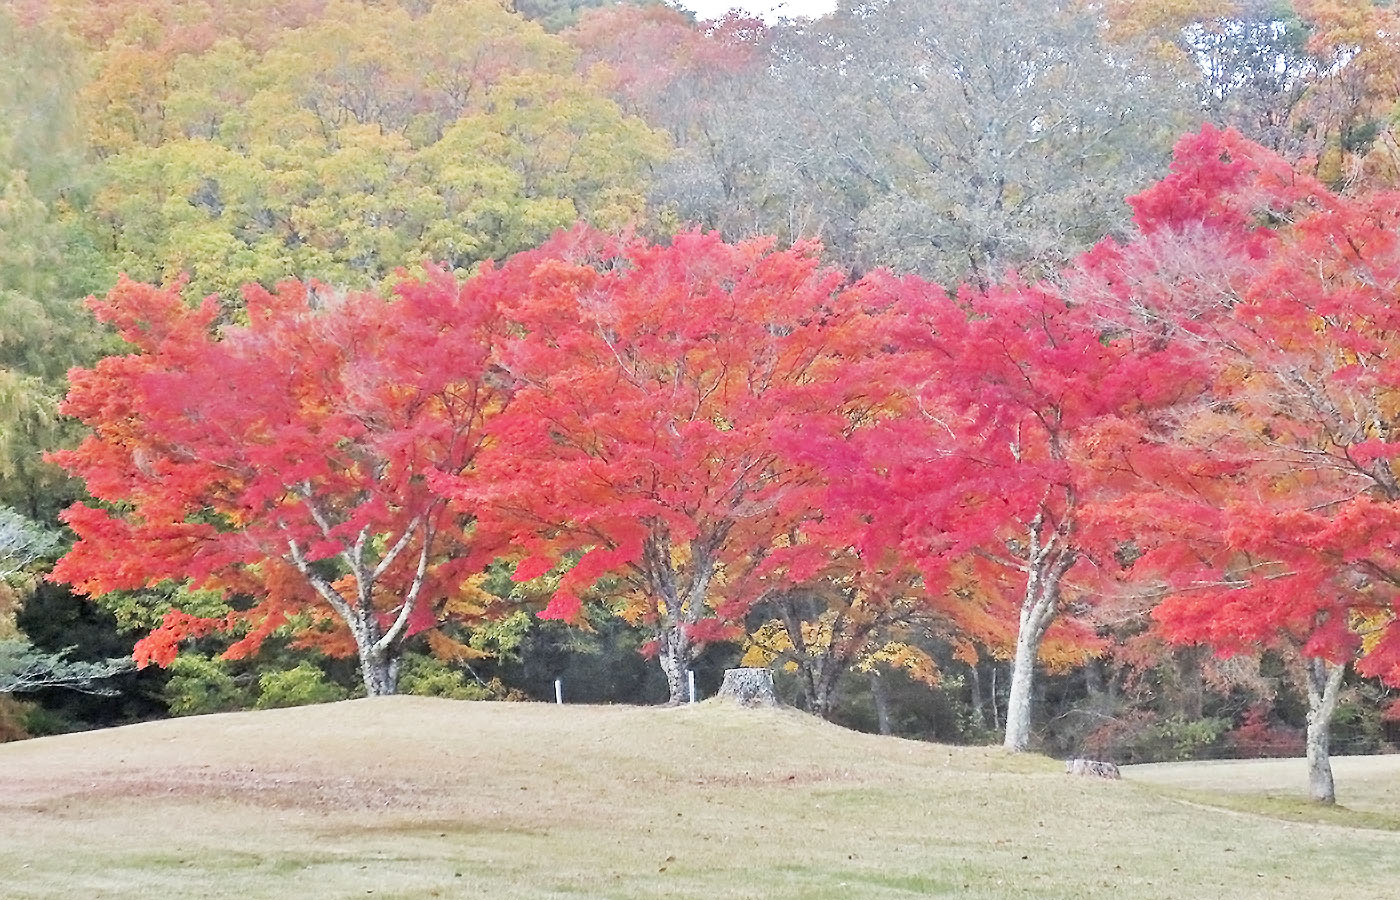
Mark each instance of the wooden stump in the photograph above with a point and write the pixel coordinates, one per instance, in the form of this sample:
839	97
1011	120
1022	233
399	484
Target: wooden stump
1092	768
748	687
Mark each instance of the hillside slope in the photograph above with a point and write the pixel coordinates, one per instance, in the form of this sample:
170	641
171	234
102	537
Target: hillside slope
411	797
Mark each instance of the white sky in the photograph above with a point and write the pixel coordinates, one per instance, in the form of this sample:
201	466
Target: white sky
769	9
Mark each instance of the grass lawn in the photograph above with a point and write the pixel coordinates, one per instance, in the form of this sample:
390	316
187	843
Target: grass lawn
412	797
1368	787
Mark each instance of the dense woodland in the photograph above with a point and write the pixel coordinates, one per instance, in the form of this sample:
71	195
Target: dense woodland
1013	371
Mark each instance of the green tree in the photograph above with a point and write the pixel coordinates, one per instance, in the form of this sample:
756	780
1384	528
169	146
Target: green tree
556	15
47	263
374	137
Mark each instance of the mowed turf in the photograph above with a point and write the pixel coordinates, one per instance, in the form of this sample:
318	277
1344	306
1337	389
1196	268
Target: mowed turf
412	797
1368	787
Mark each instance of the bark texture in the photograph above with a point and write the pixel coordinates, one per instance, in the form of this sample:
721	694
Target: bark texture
681	592
749	687
1049	560
1324	684
882	702
379	647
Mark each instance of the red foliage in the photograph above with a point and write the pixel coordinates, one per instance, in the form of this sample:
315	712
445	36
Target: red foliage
674	408
1280	523
248	458
649	49
1261	736
1029	417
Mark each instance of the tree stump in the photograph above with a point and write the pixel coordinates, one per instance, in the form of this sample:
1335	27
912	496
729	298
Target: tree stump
1092	768
748	687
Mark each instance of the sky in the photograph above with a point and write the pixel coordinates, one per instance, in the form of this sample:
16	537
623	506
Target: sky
710	9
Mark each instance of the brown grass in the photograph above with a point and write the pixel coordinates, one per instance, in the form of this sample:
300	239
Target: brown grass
410	797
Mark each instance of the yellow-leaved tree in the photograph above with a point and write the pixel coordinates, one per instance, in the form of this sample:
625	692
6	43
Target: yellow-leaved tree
370	136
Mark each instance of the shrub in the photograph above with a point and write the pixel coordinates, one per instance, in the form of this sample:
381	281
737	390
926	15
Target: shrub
12	719
200	685
427	676
300	686
1141	736
1260	735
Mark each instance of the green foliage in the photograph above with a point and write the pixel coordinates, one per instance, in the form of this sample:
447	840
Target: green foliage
24	668
1137	737
200	685
1358	725
500	639
22	542
299	686
425	676
41	721
138	612
556	15
376	137
47	260
601	664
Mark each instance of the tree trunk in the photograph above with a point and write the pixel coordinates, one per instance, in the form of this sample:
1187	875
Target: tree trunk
979	709
681	600
827	672
749	687
380	649
381	673
992	696
1094	680
674	656
882	702
1324	684
1191	681
1018	703
1037	613
1049	562
809	666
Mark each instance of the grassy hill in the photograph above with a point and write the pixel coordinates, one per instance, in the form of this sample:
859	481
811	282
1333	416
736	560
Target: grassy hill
410	797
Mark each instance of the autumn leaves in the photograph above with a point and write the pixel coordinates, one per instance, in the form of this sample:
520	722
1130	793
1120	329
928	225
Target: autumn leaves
681	431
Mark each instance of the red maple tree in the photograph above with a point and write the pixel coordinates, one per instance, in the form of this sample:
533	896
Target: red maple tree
278	453
671	407
1026	406
1280	526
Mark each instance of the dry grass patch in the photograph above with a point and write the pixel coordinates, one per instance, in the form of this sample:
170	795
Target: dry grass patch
410	797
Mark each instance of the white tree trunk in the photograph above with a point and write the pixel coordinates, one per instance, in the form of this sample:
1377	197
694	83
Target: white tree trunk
682	604
380	649
882	703
381	673
673	653
1018	704
1324	684
1049	561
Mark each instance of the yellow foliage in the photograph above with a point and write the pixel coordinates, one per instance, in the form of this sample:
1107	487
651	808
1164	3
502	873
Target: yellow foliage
634	607
450	650
471	599
1371	626
917	664
765	645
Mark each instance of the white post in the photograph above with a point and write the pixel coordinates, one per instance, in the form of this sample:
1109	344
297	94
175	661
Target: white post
559	691
691	673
